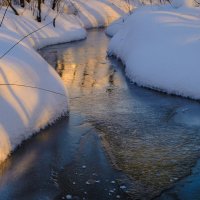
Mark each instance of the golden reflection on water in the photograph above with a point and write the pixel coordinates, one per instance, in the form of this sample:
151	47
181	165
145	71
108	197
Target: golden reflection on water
85	74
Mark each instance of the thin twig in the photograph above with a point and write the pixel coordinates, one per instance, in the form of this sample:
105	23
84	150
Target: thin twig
52	22
34	87
4	15
23	39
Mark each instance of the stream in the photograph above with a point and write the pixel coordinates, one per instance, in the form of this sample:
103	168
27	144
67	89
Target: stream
153	138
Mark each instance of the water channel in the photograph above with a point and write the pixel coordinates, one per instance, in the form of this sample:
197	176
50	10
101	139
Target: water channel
153	138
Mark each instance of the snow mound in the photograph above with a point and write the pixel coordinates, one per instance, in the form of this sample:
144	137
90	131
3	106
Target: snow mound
183	3
26	110
66	28
32	94
160	47
99	13
115	26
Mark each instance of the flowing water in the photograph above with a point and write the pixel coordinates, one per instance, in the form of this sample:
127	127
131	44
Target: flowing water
152	137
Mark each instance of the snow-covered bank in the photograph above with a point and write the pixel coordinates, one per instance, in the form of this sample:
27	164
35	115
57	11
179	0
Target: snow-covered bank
160	47
100	13
25	110
70	23
32	94
65	30
71	20
116	25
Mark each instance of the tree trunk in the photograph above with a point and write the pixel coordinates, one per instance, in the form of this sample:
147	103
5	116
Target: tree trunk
39	18
12	7
54	4
22	3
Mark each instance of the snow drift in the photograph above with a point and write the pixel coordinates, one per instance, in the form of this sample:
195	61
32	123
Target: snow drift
160	47
32	95
115	26
65	30
99	13
25	110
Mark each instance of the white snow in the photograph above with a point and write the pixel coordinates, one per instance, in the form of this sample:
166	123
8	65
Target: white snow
182	3
115	26
99	13
26	110
160	46
65	30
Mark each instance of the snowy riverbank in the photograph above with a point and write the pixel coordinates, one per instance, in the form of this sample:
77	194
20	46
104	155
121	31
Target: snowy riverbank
32	95
159	46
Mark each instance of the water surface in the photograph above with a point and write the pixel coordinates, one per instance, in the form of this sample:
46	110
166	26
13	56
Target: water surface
152	137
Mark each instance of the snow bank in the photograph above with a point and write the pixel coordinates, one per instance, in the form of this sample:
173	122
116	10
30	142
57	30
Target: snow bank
99	13
183	3
69	26
116	25
65	30
25	110
32	95
160	47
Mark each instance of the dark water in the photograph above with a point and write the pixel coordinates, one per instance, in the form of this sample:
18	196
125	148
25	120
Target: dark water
155	138
66	159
